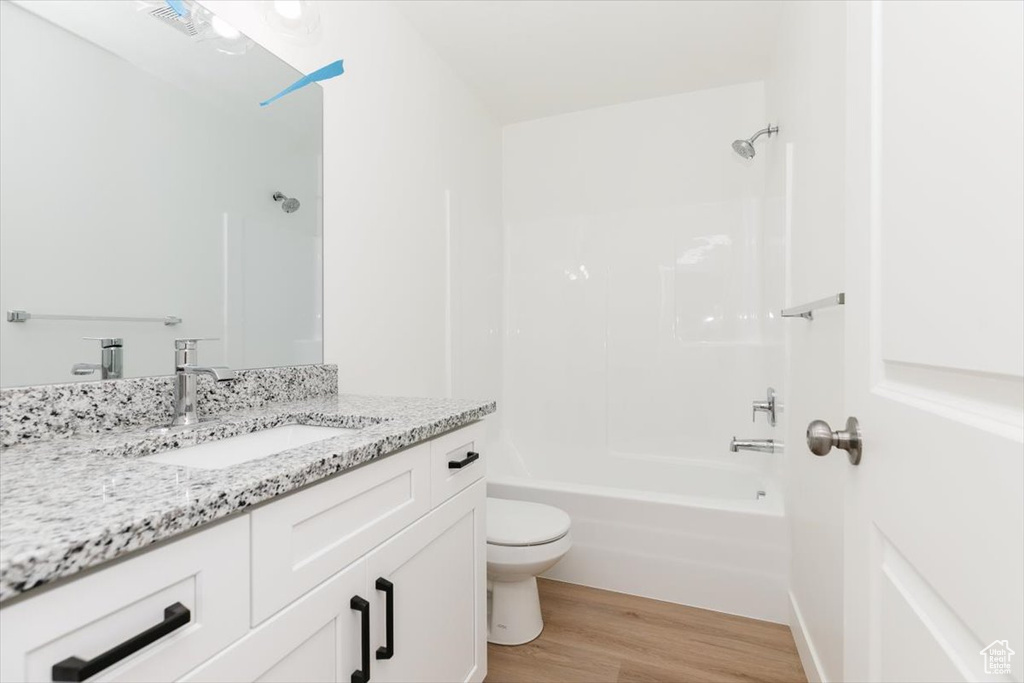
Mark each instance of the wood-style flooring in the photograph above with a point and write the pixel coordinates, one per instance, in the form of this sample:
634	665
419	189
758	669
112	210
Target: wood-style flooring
596	636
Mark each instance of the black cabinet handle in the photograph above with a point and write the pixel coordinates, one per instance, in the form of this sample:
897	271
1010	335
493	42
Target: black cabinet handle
459	464
387	651
75	669
362	675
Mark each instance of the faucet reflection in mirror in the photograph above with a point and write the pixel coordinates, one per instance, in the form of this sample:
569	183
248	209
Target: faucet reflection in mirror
111	365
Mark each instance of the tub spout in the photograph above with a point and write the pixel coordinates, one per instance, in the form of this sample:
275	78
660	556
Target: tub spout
758	445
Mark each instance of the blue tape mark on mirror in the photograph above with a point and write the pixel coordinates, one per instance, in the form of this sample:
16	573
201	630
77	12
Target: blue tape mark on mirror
178	6
322	74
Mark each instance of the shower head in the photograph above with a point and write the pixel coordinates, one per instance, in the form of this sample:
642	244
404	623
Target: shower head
288	204
745	148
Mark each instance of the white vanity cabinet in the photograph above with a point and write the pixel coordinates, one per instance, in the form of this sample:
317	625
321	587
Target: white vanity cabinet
205	573
363	577
438	595
438	612
315	640
301	540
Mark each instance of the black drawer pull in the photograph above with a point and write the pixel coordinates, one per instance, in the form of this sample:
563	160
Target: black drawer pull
387	651
75	669
363	607
459	464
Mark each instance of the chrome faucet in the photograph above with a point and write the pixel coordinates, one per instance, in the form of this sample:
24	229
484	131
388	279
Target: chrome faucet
758	445
111	365
186	372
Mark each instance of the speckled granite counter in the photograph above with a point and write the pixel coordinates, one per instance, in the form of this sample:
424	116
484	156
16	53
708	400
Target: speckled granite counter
72	503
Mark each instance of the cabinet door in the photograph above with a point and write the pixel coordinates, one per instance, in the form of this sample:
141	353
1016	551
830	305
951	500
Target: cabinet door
316	639
437	570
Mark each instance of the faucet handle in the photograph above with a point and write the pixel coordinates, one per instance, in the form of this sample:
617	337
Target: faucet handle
186	352
189	343
107	342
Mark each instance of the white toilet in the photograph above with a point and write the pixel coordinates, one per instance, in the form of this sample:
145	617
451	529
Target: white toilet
523	540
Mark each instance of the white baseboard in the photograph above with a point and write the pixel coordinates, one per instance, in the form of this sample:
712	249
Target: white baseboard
804	645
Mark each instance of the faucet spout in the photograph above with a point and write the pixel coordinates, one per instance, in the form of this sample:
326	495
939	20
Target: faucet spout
757	445
85	368
220	373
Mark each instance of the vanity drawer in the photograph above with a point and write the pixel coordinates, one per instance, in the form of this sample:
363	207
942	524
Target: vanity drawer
456	461
206	574
300	540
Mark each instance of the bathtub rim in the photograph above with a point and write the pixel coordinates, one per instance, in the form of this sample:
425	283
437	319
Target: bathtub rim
771	505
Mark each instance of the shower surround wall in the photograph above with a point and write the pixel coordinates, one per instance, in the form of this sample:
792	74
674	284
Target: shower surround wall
642	293
639	287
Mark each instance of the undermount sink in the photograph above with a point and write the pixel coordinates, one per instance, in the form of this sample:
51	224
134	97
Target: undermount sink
216	455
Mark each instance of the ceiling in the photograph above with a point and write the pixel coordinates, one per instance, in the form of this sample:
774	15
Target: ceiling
531	59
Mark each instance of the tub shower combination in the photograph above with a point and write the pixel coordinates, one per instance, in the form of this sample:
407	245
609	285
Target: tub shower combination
641	328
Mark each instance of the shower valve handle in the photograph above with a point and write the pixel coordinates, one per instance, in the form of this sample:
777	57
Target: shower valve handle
768	406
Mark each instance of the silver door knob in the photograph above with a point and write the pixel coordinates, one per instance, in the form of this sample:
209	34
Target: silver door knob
821	439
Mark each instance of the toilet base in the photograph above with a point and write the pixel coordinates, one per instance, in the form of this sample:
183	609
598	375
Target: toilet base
513	614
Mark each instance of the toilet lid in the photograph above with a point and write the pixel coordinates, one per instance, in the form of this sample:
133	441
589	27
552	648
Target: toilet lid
516	522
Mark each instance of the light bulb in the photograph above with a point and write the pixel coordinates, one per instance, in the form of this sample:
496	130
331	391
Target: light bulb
296	20
289	9
224	29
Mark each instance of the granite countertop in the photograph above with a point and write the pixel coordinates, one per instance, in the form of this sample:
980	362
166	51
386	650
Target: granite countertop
70	504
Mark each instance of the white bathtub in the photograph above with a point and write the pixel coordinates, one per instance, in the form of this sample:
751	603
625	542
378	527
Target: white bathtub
703	537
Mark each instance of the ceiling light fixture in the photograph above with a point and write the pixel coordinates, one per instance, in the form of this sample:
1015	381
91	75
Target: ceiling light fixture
288	9
218	33
224	29
296	20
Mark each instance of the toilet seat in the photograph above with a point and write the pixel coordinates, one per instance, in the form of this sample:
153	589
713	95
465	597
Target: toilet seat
517	523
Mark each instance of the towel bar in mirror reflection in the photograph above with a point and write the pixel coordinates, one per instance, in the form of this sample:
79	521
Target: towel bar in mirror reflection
19	316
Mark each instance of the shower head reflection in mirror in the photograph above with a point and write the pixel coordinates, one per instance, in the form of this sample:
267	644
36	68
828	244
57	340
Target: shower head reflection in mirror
288	204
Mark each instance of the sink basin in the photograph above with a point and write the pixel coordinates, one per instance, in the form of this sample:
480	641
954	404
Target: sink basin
216	455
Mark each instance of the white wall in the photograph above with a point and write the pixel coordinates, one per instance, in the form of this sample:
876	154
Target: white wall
805	202
637	313
402	135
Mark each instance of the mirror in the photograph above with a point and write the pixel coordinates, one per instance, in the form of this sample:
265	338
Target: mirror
145	195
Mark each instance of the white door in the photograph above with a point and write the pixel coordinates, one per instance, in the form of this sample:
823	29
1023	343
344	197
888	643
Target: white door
437	571
935	347
318	639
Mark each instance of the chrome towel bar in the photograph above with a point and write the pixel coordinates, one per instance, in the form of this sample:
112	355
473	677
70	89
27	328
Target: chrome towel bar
807	310
17	316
